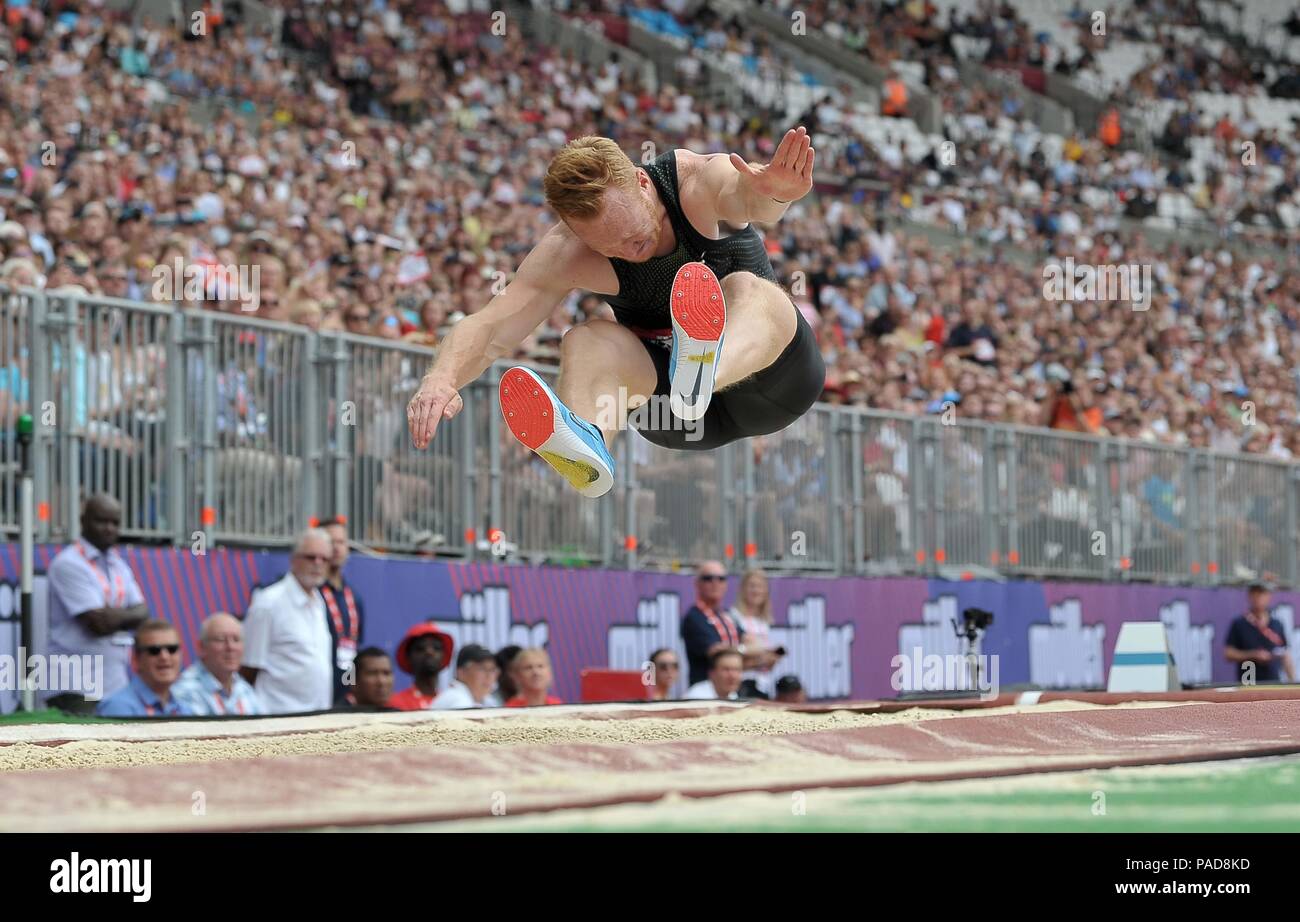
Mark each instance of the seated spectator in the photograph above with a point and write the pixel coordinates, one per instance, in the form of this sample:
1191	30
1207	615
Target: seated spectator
753	612
1256	642
667	669
423	653
531	671
213	685
95	603
505	684
374	687
789	690
475	682
157	661
726	667
288	654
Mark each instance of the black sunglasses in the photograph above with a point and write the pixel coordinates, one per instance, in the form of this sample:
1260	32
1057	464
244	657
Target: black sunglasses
712	577
155	649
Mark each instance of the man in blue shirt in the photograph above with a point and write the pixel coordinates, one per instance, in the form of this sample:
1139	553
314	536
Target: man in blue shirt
157	661
213	687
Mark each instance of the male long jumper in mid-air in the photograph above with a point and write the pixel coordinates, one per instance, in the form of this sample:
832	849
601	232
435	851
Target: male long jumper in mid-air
672	249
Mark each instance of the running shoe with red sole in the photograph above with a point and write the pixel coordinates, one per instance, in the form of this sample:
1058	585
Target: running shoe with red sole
699	320
565	441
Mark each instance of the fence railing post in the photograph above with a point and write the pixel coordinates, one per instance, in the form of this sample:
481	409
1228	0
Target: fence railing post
1292	538
748	500
313	424
854	462
1012	515
70	445
932	479
176	430
471	483
1107	521
988	504
727	476
494	455
834	497
630	537
44	435
206	457
1202	526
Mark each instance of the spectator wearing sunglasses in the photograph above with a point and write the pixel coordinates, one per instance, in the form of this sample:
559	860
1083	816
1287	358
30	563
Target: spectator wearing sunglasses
288	652
157	662
667	669
707	627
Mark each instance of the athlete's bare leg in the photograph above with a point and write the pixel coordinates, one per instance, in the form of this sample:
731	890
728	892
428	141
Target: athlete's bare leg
760	324
596	359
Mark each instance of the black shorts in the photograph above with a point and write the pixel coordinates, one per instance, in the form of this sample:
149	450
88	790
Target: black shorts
767	401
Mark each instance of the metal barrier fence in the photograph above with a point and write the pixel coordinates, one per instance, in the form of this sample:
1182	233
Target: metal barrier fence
212	426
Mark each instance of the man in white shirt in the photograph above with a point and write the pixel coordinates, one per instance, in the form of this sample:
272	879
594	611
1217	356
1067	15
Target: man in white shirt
726	668
475	683
95	605
288	652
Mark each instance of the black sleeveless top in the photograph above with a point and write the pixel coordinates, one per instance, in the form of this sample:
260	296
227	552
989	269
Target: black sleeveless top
644	289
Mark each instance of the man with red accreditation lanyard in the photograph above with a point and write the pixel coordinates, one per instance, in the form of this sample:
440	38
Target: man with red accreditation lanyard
344	610
707	628
95	604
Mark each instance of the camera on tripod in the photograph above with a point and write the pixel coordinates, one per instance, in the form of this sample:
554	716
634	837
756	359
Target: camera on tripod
974	621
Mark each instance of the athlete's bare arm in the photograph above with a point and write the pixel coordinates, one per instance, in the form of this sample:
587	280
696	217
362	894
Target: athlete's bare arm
557	265
742	192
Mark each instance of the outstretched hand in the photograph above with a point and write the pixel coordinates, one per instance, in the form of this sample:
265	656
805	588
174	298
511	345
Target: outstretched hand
432	403
789	175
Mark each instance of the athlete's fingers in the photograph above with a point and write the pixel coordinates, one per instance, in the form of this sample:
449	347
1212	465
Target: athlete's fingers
808	163
741	164
454	406
783	149
423	414
798	141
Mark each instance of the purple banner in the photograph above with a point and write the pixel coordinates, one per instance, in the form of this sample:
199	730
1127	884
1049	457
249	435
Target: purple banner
842	634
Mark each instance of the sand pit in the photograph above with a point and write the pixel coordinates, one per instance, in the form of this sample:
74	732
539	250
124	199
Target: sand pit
450	768
190	742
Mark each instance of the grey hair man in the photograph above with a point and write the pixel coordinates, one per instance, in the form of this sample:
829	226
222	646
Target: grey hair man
288	653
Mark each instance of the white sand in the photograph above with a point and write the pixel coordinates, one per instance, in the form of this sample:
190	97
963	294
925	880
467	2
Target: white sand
369	733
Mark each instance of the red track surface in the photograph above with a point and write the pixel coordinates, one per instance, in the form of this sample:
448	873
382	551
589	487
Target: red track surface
436	783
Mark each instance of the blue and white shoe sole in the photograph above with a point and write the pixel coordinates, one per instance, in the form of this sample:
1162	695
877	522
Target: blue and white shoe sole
699	314
537	418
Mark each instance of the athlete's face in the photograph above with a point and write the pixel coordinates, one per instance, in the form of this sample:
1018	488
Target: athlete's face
628	226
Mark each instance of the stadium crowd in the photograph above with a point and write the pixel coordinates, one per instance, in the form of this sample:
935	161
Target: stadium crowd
389	192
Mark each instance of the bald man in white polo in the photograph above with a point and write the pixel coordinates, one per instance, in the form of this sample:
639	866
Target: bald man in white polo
288	653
